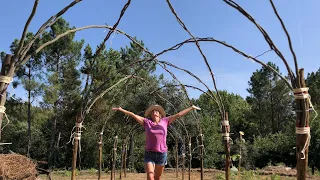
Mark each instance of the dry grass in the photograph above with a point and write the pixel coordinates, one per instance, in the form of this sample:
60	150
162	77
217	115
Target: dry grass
170	175
15	166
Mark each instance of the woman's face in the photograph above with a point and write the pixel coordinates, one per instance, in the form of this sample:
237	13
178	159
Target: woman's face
155	114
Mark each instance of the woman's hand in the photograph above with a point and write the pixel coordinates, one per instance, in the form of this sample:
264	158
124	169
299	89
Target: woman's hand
195	107
117	108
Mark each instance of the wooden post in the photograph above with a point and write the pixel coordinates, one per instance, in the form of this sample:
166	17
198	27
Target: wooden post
183	157
177	157
122	158
226	139
7	69
201	155
76	138
302	126
190	157
125	157
240	152
100	155
114	158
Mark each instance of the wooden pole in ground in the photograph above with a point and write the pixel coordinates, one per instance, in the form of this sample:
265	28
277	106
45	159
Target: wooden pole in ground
7	71
226	139
177	157
302	126
114	157
190	157
100	155
201	155
122	158
76	138
125	157
183	157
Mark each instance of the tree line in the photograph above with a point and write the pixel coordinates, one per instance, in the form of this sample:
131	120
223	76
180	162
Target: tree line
58	75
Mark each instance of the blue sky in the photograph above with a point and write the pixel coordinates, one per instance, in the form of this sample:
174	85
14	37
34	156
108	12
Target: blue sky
153	22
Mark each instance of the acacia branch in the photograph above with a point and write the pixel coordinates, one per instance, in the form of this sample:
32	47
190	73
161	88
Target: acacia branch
24	34
105	91
200	50
265	35
113	28
214	98
44	26
75	30
210	39
289	42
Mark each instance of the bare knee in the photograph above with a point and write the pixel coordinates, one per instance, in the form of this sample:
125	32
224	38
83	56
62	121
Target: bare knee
150	176
157	177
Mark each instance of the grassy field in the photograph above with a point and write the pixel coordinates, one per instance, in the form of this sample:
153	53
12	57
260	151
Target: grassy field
170	175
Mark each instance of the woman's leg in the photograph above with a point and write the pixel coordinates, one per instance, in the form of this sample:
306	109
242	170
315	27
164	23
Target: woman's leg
158	170
149	167
159	166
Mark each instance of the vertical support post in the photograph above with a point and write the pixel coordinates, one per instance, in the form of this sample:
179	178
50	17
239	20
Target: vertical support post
7	70
125	157
76	139
114	157
190	156
177	157
201	155
100	155
303	103
226	139
183	157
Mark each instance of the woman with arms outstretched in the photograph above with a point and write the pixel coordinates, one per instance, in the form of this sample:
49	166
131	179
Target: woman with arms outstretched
155	156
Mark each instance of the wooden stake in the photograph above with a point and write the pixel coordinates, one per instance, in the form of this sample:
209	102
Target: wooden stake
190	157
76	138
100	155
125	157
225	135
114	158
7	69
177	157
302	120
183	158
201	155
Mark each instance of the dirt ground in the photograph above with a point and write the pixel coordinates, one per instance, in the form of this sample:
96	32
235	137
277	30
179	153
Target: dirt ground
268	173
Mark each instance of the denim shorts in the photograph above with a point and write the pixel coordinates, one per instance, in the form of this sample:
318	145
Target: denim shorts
156	158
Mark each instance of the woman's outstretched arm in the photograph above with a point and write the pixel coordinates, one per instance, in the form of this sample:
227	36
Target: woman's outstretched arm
138	118
182	113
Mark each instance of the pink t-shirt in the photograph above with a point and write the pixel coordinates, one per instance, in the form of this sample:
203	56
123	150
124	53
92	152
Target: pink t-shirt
156	135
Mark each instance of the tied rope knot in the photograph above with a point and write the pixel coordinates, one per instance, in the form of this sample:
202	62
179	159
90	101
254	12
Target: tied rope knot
304	130
3	110
6	79
302	93
77	134
225	135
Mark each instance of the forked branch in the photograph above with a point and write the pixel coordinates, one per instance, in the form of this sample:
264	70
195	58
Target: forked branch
265	35
200	50
24	33
45	26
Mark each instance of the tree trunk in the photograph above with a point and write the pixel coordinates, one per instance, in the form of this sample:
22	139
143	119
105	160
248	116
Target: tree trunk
53	136
302	127
7	69
131	152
